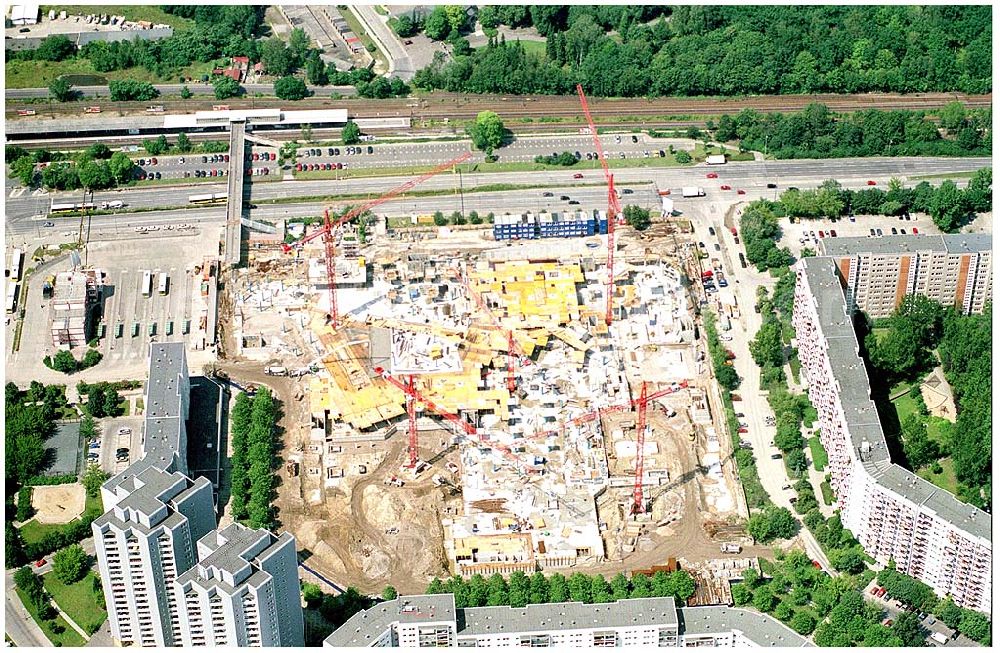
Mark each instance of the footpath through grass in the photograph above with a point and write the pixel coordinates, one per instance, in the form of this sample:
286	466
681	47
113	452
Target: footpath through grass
68	636
820	459
78	600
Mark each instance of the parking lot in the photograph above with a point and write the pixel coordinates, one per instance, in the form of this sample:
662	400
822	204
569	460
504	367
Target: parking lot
118	433
806	232
876	594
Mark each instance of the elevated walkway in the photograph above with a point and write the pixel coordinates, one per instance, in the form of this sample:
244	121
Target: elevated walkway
234	204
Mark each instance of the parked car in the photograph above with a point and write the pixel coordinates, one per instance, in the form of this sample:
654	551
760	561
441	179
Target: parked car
871	183
833	233
574	202
743	429
894	231
712	175
40	563
772	185
725	187
547	194
915	230
776	456
563	198
741	192
711	231
578	175
49	224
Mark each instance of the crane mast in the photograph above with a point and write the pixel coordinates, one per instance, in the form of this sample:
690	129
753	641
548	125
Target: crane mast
614	208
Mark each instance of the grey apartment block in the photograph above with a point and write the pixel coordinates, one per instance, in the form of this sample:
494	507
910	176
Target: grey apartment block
164	565
893	513
432	620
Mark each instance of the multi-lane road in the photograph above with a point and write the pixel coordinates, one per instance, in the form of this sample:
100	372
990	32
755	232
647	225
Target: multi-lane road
26	214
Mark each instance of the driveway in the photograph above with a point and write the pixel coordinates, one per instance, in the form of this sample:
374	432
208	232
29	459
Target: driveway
400	64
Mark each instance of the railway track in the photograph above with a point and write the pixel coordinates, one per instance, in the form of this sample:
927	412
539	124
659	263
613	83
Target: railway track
463	107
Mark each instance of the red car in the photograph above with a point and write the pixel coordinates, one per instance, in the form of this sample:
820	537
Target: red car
256	157
822	235
726	187
250	172
40	563
915	230
153	161
298	167
816	564
874	590
742	429
871	183
274	156
741	192
225	157
712	175
578	175
833	234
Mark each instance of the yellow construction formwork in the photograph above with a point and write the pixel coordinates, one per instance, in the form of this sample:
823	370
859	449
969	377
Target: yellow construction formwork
486	546
538	294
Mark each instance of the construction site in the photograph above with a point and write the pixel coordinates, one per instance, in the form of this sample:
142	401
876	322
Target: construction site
457	406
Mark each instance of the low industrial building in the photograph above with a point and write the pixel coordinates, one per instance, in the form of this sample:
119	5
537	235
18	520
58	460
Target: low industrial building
432	620
74	297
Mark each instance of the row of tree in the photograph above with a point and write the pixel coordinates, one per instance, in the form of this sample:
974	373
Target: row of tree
520	589
722	50
949	206
29	420
910	591
760	233
818	133
253	460
63	360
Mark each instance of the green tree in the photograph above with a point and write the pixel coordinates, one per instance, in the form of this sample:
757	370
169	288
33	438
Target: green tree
976	626
389	593
278	59
121	167
948	208
156	146
558	589
437	25
773	523
763	599
497	591
637	217
93	479
488	132
70	564
803	623
94	175
439	219
580	588
130	90
351	133
850	562
183	143
13	547
225	87
61	90
55	48
185	93
313	595
290	88
907	628
64	362
682	156
538	588
979	192
742	594
24	169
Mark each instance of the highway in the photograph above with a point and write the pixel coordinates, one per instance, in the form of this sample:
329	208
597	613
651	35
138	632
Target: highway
26	214
750	176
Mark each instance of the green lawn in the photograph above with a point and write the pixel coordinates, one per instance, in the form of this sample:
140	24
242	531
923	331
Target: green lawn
151	13
34	532
68	636
37	74
795	366
939	430
827	493
905	406
946	479
820	459
78	601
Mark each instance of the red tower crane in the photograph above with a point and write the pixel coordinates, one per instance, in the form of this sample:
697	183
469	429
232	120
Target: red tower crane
638	506
511	386
327	231
614	208
468	430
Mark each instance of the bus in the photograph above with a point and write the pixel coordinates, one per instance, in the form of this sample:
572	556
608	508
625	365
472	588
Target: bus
155	109
164	281
15	264
92	109
56	209
12	292
208	198
220	107
25	112
147	283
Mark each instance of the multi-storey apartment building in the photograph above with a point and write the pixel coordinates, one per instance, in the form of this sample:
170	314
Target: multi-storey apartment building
244	591
877	273
895	515
431	620
163	565
142	543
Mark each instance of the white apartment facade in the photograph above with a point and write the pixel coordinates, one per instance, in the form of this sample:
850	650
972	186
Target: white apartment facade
893	513
159	552
877	273
431	620
244	591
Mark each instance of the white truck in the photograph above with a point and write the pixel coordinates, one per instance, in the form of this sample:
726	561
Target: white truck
272	370
715	159
940	638
730	547
692	191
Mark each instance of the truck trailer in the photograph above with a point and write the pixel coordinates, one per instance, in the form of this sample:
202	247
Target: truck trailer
692	191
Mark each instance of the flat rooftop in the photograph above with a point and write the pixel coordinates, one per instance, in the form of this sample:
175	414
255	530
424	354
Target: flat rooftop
950	243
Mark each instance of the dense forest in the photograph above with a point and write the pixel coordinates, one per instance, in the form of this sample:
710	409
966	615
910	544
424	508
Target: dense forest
723	50
816	132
